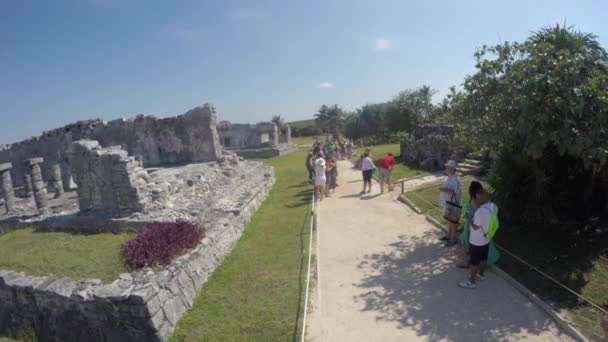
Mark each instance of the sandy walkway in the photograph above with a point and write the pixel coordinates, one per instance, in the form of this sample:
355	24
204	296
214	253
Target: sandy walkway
384	276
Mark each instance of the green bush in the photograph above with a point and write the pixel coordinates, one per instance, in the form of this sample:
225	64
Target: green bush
383	139
551	188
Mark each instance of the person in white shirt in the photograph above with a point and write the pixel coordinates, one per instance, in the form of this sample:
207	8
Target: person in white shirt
319	177
367	169
451	190
478	243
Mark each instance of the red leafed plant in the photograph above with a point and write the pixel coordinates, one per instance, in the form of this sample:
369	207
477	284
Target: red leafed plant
159	243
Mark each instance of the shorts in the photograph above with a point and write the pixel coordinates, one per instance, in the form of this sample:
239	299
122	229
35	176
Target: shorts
384	175
320	180
478	254
367	175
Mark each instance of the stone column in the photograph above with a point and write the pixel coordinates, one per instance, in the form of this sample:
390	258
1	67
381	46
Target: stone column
6	184
27	182
33	166
55	180
274	135
288	134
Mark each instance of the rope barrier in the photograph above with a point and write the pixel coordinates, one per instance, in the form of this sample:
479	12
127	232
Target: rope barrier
604	311
312	220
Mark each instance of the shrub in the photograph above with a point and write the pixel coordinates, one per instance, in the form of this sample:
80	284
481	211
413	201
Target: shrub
159	243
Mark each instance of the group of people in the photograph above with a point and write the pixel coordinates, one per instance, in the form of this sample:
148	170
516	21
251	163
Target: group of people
335	149
478	250
322	167
385	170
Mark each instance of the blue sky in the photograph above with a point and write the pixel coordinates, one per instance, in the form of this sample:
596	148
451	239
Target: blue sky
68	60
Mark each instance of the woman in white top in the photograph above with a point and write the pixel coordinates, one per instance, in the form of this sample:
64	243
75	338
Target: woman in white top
367	169
319	177
450	191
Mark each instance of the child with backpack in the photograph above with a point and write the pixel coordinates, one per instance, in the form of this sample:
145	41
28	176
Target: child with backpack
483	227
469	212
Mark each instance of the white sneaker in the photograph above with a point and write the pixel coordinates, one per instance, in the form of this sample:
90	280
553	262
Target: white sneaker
468	285
479	277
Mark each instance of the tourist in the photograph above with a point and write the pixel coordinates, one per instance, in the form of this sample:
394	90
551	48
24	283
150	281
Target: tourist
342	149
330	150
329	165
450	191
316	148
367	169
385	169
478	243
319	177
469	211
333	176
349	149
310	167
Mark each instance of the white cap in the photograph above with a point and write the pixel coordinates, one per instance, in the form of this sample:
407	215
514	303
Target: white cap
451	164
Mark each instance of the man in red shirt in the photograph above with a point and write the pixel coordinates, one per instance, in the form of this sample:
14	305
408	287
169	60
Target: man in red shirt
385	168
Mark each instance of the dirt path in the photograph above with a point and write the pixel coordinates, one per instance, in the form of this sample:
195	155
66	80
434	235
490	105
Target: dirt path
384	276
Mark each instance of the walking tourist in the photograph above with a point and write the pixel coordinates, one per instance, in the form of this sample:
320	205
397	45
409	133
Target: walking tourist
385	169
469	211
333	176
349	149
478	243
309	167
342	149
330	150
319	177
367	169
329	165
450	191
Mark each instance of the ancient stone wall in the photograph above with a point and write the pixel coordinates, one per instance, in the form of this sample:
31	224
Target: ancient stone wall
144	305
107	179
422	131
431	146
246	136
191	137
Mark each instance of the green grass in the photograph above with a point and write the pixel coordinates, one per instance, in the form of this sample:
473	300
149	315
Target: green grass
63	254
257	293
400	170
304	140
427	198
569	254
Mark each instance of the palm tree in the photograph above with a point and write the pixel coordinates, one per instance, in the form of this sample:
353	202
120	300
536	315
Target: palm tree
331	119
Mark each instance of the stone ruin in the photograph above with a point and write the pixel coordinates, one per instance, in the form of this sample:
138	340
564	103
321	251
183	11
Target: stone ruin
431	147
126	173
262	140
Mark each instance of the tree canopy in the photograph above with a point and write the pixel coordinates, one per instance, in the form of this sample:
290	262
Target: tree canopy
542	106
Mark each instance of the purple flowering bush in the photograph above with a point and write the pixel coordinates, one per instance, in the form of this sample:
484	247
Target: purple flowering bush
159	243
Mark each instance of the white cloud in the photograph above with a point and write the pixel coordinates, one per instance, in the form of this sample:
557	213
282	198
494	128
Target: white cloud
325	85
382	44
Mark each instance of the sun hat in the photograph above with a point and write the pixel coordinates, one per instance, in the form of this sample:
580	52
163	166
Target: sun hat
451	164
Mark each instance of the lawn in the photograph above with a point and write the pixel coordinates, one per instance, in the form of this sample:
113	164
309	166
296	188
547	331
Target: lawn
63	254
570	254
257	293
400	170
308	141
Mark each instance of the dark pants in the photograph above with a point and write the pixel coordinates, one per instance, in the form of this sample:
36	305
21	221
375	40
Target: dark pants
311	174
